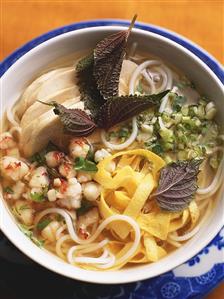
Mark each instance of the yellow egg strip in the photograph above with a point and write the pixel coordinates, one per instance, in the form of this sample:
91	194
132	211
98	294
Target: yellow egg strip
136	203
194	213
121	199
156	224
180	222
153	251
125	192
140	256
104	177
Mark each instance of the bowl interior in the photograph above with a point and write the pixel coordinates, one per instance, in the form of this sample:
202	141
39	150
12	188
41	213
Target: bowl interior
26	68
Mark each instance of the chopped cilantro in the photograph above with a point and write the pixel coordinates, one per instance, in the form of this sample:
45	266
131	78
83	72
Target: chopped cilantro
85	165
178	102
39	157
112	134
39	196
42	224
24	207
123	133
157	149
15	212
85	207
30	235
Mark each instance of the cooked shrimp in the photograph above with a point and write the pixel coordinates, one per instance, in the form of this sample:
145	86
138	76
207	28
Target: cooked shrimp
78	148
13	168
6	141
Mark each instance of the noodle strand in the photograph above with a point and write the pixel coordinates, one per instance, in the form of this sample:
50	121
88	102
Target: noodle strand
100	228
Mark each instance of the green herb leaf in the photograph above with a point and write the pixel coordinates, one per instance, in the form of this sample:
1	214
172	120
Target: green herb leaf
39	157
119	109
75	121
157	149
123	133
42	224
85	207
177	185
30	235
15	212
90	95
85	63
24	207
90	155
85	165
178	102
39	196
108	57
94	70
8	190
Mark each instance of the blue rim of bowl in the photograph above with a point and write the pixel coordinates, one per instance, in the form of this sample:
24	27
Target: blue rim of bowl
208	59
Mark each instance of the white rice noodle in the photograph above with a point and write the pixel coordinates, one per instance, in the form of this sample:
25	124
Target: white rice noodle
59	231
142	70
72	214
161	124
125	144
165	73
59	244
100	228
68	222
168	86
149	80
194	231
110	263
216	182
175	89
82	249
105	260
138	71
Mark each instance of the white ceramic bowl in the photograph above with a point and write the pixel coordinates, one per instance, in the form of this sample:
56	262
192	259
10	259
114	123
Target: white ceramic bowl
22	71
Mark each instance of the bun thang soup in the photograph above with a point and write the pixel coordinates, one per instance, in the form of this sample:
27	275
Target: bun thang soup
99	201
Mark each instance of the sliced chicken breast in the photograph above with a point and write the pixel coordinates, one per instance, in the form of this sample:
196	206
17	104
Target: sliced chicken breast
36	109
45	86
45	128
